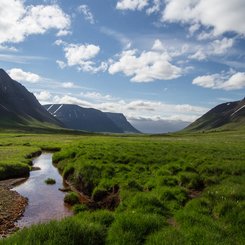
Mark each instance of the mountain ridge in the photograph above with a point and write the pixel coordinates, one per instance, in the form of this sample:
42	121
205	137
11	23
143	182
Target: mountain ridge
18	105
88	119
229	115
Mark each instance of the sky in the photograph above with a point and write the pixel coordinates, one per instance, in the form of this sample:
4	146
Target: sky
153	60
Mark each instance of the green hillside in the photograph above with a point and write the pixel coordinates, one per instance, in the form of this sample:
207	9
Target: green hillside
226	116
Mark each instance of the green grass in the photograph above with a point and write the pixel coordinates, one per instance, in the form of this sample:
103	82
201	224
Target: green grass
50	181
71	198
173	189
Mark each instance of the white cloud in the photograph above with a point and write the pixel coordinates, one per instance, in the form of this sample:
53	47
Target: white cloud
221	46
154	8
131	4
7	48
193	28
146	66
85	11
81	55
198	55
68	85
43	96
63	33
61	64
67	99
158	45
23	76
134	109
59	42
96	96
223	16
78	54
221	81
213	48
19	21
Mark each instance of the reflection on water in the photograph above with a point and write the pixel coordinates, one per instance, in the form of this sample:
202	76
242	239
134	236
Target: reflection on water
45	201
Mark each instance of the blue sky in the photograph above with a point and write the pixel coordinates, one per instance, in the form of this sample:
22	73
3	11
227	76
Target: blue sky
149	59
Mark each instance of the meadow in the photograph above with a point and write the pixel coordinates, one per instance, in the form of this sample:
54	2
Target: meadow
166	189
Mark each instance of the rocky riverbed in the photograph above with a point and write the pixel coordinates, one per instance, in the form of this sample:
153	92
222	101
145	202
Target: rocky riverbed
12	206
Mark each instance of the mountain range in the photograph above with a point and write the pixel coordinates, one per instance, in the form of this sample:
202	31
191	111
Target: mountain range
90	119
20	107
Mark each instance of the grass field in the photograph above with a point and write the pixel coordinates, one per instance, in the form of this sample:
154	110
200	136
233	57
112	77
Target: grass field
173	189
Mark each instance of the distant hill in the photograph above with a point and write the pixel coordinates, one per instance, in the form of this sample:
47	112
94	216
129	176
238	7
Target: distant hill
20	107
121	121
88	119
149	126
230	115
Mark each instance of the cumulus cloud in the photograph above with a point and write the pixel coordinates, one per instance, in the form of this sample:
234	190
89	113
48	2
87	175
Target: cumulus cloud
19	21
221	81
131	4
78	54
223	16
146	66
87	14
81	55
23	76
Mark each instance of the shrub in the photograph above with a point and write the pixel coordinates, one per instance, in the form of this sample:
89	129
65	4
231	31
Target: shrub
71	198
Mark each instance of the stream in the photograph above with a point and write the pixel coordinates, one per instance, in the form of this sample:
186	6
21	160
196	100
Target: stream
45	202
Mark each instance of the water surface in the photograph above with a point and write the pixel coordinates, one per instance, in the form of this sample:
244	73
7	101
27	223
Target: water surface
45	202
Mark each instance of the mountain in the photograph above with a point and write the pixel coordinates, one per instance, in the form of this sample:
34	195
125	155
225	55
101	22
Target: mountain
88	119
20	107
121	121
230	115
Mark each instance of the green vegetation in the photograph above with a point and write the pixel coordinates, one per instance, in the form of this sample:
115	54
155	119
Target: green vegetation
50	181
71	198
173	189
17	150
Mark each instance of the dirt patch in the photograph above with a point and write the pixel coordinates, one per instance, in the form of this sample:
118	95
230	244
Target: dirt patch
12	206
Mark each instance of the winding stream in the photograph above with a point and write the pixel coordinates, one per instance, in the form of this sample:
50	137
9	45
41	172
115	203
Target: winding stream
45	202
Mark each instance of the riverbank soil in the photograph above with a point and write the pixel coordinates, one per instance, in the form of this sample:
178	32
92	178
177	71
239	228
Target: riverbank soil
12	206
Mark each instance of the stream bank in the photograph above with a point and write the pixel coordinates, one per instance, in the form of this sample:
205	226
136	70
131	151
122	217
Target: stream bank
29	201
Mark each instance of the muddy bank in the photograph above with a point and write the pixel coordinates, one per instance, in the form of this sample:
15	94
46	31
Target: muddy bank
12	206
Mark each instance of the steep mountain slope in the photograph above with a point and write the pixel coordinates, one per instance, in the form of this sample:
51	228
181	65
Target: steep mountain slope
121	121
88	119
19	106
229	115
